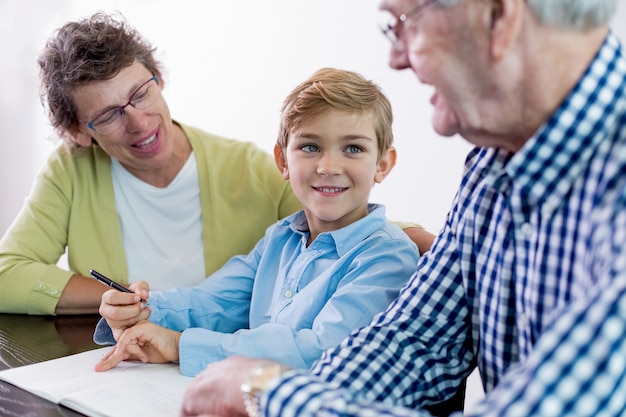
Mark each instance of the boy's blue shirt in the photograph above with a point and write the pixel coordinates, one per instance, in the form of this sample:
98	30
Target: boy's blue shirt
286	301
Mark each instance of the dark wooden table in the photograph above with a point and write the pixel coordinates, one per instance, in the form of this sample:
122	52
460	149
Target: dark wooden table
30	339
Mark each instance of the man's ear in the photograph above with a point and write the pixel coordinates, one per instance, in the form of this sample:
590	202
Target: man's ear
281	162
507	17
79	136
385	165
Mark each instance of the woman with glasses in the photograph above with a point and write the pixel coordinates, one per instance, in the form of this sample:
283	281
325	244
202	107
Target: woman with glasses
132	193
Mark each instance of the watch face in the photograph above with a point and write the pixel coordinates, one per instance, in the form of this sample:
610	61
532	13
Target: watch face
261	377
257	381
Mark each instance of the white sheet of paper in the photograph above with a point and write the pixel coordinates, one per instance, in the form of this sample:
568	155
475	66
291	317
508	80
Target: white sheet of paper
130	389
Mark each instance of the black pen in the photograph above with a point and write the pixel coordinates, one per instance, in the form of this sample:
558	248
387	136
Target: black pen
110	283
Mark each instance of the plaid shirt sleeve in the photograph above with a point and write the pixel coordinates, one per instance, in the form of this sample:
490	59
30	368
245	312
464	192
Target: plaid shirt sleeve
415	353
579	368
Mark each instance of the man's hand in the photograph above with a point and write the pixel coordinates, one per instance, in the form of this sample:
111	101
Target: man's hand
217	390
144	341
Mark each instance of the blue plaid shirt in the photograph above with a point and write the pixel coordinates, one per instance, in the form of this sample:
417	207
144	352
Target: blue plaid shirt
527	280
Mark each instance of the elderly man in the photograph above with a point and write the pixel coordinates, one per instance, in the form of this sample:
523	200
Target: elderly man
527	280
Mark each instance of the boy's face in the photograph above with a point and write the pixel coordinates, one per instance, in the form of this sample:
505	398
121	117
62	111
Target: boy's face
332	164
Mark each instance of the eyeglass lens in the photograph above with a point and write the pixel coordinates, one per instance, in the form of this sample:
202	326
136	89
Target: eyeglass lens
392	26
113	119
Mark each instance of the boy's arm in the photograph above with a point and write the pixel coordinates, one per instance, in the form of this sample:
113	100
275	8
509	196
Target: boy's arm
345	296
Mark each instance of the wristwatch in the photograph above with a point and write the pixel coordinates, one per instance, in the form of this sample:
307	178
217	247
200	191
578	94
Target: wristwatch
258	380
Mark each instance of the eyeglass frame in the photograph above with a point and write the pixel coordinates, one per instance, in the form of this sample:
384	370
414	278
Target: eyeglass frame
90	124
390	29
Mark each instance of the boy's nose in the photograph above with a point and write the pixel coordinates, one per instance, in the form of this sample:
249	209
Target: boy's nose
329	164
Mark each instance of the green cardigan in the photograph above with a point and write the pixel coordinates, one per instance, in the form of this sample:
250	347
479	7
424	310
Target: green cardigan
72	206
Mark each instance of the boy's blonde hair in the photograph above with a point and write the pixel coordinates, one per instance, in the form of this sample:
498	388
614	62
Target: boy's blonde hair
334	89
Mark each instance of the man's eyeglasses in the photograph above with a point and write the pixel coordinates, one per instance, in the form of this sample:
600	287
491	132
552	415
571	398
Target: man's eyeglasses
393	28
113	119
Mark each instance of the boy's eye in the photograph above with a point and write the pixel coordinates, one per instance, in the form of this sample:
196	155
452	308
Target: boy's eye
309	148
353	149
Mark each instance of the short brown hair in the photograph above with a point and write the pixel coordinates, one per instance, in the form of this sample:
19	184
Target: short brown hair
334	89
92	49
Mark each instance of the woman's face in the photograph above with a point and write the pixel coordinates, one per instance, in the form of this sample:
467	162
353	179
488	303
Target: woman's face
145	141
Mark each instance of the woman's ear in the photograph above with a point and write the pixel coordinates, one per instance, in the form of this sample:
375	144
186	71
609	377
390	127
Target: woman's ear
506	23
281	162
385	165
160	81
79	136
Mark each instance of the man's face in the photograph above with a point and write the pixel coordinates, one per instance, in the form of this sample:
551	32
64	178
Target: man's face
441	46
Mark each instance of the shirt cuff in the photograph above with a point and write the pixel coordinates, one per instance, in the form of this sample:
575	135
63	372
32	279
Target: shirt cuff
103	334
198	348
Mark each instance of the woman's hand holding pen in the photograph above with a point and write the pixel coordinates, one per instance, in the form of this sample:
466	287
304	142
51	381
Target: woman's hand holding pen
145	341
122	310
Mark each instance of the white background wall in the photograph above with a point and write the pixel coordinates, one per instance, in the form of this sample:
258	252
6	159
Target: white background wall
229	64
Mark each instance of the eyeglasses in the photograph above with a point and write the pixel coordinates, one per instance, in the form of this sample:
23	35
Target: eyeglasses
393	28
113	119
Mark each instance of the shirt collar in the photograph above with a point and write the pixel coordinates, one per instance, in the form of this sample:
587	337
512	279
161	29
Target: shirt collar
346	238
555	157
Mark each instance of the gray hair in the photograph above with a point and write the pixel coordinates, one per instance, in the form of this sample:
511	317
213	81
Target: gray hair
574	14
567	14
